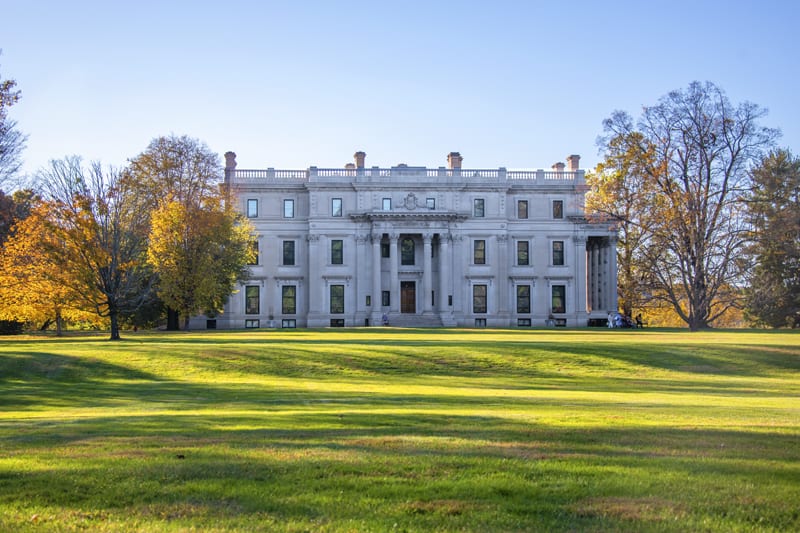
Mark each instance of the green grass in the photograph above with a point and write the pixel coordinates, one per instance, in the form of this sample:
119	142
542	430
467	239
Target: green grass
402	430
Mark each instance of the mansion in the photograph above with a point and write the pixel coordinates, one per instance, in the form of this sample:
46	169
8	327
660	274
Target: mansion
417	246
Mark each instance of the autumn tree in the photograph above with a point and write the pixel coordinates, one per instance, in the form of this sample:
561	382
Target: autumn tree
695	150
773	297
99	237
12	141
200	252
198	246
34	286
619	194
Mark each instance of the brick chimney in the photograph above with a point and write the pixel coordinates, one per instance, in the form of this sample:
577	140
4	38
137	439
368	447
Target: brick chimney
558	167
454	160
573	162
230	166
360	157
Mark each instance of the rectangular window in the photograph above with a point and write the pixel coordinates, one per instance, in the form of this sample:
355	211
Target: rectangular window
522	253
558	253
523	299
288	209
251	300
288	253
254	252
337	299
337	252
386	298
252	208
479	252
479	298
289	299
368	303
336	207
387	204
480	322
524	322
251	324
558	208
522	209
430	203
407	251
478	207
559	298
337	322
385	250
289	323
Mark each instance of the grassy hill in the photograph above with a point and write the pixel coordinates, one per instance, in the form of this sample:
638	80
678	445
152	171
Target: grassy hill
402	430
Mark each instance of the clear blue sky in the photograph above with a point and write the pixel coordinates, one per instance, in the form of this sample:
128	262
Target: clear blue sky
292	84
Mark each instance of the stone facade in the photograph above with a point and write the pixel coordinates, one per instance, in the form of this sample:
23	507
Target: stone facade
415	246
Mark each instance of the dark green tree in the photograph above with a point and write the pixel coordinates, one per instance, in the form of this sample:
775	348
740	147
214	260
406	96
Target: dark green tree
773	298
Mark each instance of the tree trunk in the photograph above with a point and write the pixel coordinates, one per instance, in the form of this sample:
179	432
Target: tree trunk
59	324
186	323
114	318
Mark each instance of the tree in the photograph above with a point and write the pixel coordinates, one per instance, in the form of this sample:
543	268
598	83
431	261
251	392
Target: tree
773	298
34	286
12	141
619	194
198	246
13	209
695	150
199	252
99	237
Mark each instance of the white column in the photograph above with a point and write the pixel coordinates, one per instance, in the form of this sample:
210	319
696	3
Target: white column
394	280
501	268
580	279
611	272
376	279
315	296
427	286
444	271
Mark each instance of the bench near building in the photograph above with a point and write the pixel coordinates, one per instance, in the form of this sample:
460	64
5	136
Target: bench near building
420	246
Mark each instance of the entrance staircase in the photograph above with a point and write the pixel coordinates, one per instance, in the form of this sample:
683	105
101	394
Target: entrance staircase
409	320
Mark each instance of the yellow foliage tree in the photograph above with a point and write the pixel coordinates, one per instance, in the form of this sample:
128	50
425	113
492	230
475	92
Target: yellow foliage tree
34	285
200	251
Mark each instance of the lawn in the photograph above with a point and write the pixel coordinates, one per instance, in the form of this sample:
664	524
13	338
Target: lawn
401	430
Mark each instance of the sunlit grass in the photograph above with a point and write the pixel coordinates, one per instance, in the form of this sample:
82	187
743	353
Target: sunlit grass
389	429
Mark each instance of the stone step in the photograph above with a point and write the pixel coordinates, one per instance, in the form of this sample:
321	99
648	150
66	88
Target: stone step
408	320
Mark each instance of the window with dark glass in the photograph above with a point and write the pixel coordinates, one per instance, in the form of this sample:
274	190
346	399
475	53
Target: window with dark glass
478	207
251	300
254	252
288	253
252	208
558	300
288	209
385	250
479	252
523	298
289	299
337	252
522	209
337	299
386	298
336	207
522	253
558	208
407	251
558	253
479	298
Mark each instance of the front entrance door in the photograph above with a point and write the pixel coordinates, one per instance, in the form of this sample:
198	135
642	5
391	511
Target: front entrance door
408	297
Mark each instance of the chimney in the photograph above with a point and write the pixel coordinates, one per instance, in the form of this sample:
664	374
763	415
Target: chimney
350	166
573	162
454	160
558	167
230	166
360	157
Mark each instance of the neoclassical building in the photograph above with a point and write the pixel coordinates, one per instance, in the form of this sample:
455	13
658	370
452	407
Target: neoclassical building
416	246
